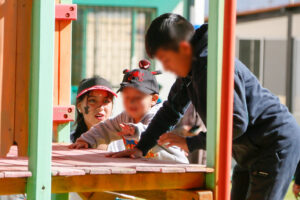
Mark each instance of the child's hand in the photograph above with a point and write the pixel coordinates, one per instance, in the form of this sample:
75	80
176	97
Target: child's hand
79	144
127	130
131	153
171	139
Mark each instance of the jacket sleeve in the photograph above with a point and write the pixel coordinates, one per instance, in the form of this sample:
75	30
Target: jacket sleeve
240	109
167	116
103	132
196	142
297	174
240	115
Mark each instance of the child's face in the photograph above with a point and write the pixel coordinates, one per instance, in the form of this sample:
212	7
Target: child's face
178	62
136	103
96	107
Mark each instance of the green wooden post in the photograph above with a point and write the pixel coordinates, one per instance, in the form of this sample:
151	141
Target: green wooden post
133	34
41	100
84	28
214	75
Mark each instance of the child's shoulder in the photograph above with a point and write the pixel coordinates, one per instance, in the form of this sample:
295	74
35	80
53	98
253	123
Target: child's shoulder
154	110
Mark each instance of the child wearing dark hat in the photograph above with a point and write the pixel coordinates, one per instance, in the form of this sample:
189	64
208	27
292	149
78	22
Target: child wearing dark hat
140	94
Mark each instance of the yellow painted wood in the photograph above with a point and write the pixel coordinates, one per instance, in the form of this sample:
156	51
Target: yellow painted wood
127	182
189	195
12	186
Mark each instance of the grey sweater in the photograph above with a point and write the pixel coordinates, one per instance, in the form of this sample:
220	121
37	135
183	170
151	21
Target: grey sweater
107	131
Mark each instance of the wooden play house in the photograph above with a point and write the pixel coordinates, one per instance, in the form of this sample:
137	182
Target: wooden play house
35	111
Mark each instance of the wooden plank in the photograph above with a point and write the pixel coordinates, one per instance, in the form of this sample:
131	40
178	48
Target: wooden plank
23	75
189	195
125	182
8	29
41	100
149	195
114	195
59	171
12	186
17	174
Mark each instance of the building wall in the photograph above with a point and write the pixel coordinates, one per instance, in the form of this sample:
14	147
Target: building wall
271	34
270	28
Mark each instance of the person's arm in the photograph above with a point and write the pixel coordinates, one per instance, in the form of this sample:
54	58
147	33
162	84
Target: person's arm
140	127
240	108
297	175
240	115
166	117
103	132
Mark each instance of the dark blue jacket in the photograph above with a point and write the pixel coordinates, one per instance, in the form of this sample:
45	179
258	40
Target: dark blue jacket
260	121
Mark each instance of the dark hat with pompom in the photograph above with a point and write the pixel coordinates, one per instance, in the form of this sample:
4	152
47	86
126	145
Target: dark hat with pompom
141	78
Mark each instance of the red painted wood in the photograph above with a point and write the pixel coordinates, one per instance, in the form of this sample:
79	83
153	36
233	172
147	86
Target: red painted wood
63	114
66	12
225	148
78	162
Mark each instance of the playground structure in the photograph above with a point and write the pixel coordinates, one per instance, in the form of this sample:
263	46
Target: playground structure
35	82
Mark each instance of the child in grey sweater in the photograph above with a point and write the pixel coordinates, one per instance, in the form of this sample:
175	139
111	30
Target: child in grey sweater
140	94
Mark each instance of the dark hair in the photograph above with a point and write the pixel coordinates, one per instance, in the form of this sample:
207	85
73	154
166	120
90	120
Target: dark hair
167	31
81	127
79	123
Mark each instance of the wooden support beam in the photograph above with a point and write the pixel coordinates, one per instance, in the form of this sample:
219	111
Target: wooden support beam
62	71
111	182
8	34
62	85
12	186
41	100
22	76
153	195
214	72
226	126
127	182
189	194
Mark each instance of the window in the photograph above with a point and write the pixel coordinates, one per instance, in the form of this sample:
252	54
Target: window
266	58
107	40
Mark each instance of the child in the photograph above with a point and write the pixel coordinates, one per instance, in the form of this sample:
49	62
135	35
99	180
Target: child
94	103
266	136
140	93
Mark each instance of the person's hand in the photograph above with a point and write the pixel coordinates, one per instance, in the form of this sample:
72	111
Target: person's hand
130	153
171	139
296	190
79	144
127	130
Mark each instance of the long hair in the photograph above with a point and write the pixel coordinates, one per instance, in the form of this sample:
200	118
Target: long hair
81	127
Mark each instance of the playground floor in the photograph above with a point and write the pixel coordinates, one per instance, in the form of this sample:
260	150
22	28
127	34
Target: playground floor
89	170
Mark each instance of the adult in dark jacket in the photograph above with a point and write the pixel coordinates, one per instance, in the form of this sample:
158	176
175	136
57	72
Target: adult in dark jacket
266	136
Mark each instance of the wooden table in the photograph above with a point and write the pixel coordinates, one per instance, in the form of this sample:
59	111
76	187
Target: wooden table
90	171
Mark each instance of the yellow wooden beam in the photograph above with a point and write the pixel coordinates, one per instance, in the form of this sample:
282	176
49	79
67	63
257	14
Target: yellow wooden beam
127	182
12	186
111	182
190	194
